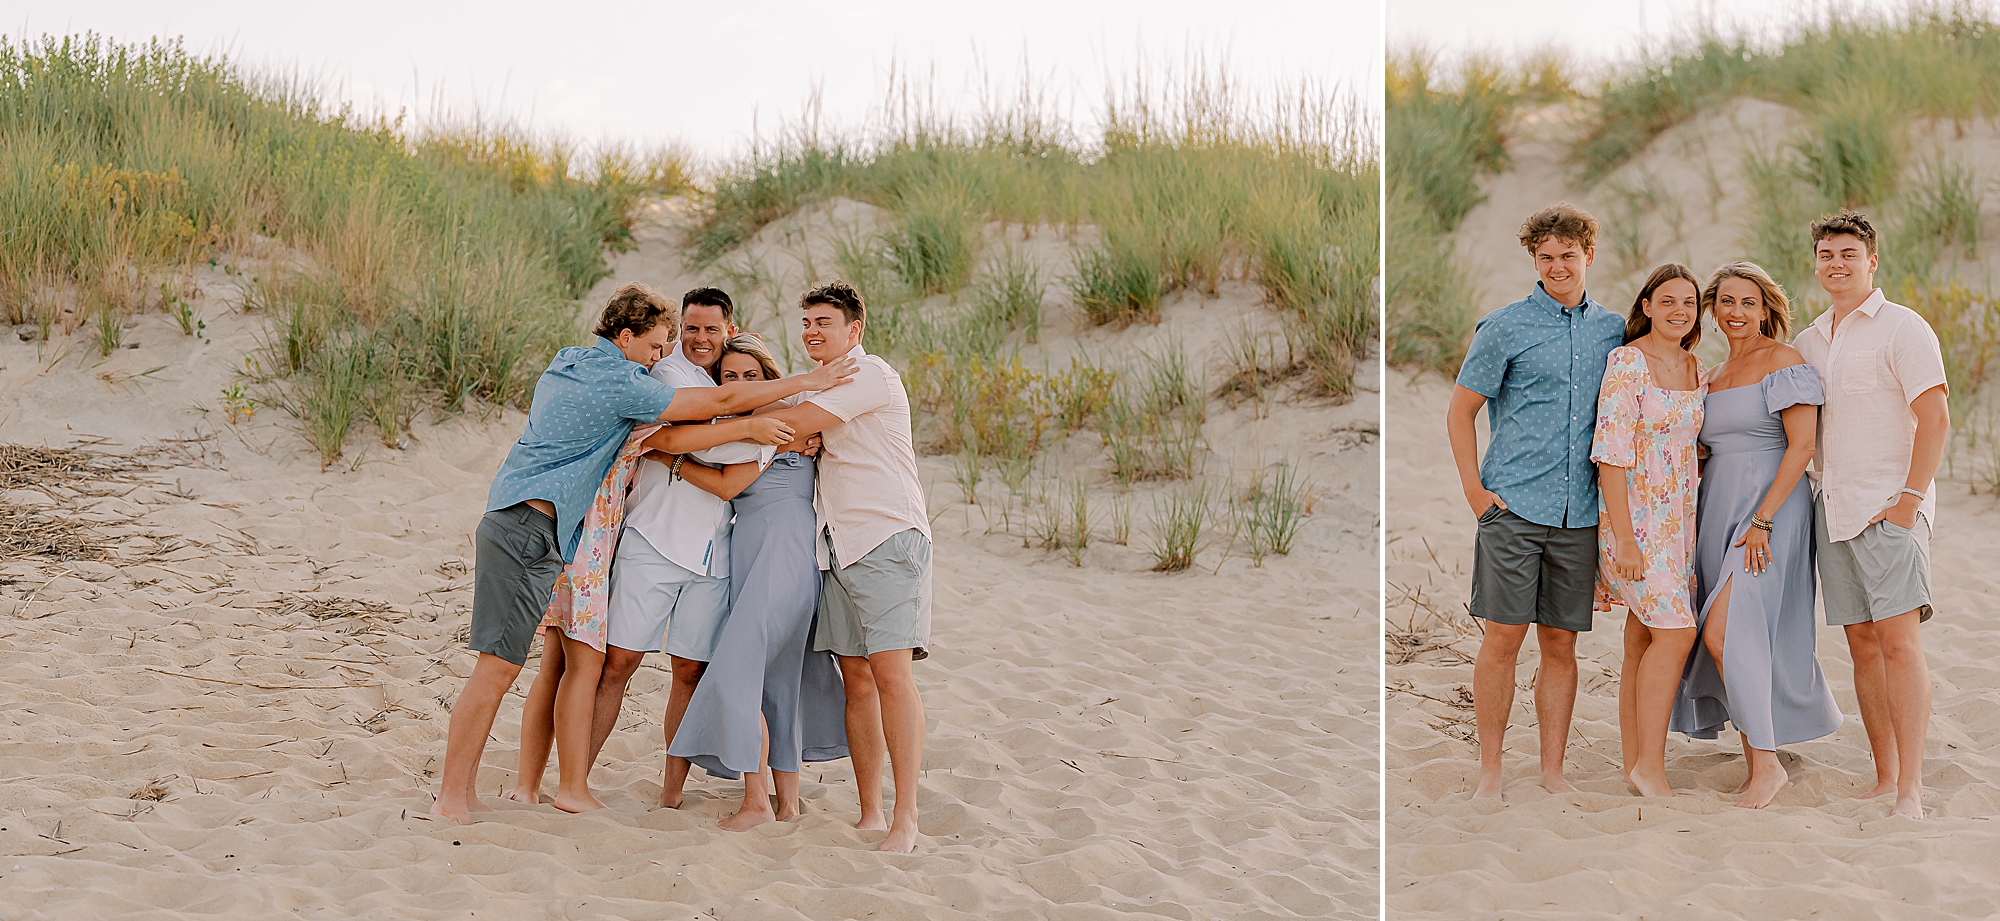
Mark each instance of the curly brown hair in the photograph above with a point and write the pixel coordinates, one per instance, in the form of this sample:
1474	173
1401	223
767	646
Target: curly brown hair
1562	221
1844	221
837	294
634	307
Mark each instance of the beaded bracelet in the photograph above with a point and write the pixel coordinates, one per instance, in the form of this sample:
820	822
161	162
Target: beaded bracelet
1762	524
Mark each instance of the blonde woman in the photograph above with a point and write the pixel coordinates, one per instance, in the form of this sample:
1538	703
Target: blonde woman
1757	667
767	697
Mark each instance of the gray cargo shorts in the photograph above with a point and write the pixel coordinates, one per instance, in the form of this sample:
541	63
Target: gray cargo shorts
1523	572
513	578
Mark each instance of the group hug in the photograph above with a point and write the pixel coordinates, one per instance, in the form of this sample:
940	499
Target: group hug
1704	501
674	490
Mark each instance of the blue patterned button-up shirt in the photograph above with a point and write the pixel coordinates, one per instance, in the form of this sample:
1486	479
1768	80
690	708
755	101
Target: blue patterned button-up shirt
584	408
1539	365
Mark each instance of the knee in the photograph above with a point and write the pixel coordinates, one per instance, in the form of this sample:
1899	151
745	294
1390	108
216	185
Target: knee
858	679
620	665
1558	646
687	673
1901	650
1501	645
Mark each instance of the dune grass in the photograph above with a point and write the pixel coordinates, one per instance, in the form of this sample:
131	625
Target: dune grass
443	264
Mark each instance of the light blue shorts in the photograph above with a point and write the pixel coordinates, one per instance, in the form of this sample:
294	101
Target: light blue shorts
879	602
652	596
1880	573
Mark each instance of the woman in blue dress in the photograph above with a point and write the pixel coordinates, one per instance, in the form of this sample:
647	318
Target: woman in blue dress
1757	666
767	698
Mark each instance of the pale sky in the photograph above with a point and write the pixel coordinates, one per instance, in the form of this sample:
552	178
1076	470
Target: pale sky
1595	31
706	73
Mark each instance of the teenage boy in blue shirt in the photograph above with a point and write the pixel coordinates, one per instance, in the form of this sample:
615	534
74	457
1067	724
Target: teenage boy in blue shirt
1536	366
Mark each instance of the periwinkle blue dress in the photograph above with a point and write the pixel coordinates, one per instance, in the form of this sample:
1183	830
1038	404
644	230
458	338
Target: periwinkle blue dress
1771	688
764	660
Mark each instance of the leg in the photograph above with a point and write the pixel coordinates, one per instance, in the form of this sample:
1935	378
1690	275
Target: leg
619	666
787	784
865	743
756	809
903	729
687	674
1659	675
538	721
1715	637
1767	777
576	701
1637	639
471	720
1492	699
1909	698
1871	689
1555	700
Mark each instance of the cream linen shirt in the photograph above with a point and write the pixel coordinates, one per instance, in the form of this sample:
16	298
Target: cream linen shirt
868	485
1882	357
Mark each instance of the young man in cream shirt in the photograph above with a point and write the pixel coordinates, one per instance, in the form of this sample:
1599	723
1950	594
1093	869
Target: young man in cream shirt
875	600
1881	436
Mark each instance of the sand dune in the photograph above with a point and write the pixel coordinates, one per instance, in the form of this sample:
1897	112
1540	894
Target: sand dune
1816	852
1104	741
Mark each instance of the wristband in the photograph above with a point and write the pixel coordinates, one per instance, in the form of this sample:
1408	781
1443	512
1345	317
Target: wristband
1920	496
674	470
1761	524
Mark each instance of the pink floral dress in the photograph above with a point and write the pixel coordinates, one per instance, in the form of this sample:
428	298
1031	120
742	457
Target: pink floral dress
583	591
1652	432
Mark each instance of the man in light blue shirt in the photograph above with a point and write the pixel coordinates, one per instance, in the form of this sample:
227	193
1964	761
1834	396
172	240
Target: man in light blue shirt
1536	365
584	408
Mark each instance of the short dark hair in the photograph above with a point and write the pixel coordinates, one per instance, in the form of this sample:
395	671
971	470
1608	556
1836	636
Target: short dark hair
713	297
1844	221
1562	221
634	307
837	294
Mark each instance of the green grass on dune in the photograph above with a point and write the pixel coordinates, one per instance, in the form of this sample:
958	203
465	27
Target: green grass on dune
445	262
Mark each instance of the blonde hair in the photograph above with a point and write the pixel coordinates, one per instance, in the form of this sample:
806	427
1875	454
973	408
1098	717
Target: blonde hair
748	344
1777	322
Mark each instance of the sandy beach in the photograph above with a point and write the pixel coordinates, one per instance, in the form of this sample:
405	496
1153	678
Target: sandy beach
1815	852
240	710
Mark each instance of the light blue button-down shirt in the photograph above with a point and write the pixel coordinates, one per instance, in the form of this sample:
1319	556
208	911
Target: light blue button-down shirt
1539	365
584	408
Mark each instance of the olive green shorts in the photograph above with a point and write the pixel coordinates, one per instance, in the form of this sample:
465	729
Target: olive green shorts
879	602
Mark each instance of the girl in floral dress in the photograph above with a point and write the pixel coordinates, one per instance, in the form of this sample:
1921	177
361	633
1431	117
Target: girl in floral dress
1648	421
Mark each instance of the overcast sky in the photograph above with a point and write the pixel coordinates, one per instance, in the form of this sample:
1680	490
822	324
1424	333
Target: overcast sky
1604	30
706	73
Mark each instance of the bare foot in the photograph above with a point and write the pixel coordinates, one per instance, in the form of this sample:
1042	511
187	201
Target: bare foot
1489	786
1758	791
902	836
1650	785
531	797
1910	804
1554	783
1745	785
457	811
875	822
670	800
746	819
787	811
1881	787
584	803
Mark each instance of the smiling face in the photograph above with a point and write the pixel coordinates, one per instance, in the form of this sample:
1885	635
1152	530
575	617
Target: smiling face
1674	308
649	348
1844	266
827	334
703	331
1561	263
1740	309
737	366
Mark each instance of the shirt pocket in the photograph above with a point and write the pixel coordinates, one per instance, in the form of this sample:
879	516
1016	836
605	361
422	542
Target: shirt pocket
1861	372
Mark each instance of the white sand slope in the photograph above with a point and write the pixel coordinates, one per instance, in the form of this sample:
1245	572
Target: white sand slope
1604	852
1103	741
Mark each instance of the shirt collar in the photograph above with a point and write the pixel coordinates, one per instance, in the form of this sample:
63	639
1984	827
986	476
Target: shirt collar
1548	302
1869	308
856	353
608	347
681	361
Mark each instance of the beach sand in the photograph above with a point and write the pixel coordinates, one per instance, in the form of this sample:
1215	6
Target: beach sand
268	658
1605	852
